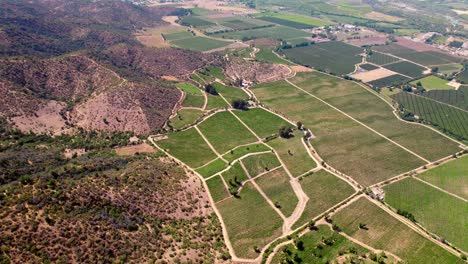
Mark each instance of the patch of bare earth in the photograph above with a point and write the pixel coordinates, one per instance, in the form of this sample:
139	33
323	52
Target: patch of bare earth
300	68
372	75
132	150
256	72
418	46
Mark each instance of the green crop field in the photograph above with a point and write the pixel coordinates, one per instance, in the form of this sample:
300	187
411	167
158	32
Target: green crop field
230	93
198	11
450	68
234	176
295	21
189	147
336	135
257	164
189	88
444	117
244	150
242	23
463	77
215	101
212	168
381	59
267	55
199	43
433	83
368	67
426	58
387	233
451	176
439	212
225	132
178	35
195	21
294	154
458	98
277	32
406	68
327	253
390	80
250	221
185	117
324	191
374	112
276	186
193	100
333	56
262	122
217	189
211	73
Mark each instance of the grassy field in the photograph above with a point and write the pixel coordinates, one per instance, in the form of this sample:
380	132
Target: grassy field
450	68
244	150
292	20
267	55
230	93
212	168
195	21
242	23
257	164
193	95
199	43
250	222
189	147
234	176
458	98
189	88
446	118
262	122
185	117
215	101
324	191
368	67
276	186
381	59
373	112
225	132
439	212
333	56
177	35
217	189
336	136
387	233
406	68
433	83
313	254
450	176
294	154
277	32
387	81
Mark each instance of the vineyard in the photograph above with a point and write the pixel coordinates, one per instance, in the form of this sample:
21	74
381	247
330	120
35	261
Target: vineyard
458	98
444	117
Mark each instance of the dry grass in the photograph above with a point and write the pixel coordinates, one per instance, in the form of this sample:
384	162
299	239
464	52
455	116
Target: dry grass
132	150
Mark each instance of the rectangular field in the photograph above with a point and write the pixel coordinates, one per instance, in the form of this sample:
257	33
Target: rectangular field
212	168
262	122
373	75
185	117
451	176
215	101
257	164
458	98
444	117
276	186
277	32
324	191
381	59
250	221
387	233
266	55
230	93
377	114
406	68
199	43
244	150
332	56
439	212
433	83
295	21
368	67
426	58
189	147
387	81
225	132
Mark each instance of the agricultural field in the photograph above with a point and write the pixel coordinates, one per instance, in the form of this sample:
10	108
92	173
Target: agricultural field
433	83
450	176
244	150
276	186
217	189
463	77
199	43
293	153
449	69
250	221
188	146
193	95
243	23
230	93
333	56
295	21
426	58
458	98
387	233
267	55
277	32
234	177
257	164
177	35
185	117
443	117
406	68
262	122
437	211
212	168
381	59
388	81
368	67
324	191
215	101
195	21
332	247
225	132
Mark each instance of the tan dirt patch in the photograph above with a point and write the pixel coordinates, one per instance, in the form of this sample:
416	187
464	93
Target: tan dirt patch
460	12
382	16
373	75
300	68
69	153
132	150
170	78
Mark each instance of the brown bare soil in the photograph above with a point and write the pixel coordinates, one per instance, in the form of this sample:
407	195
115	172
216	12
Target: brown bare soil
300	68
407	43
132	150
372	75
256	72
